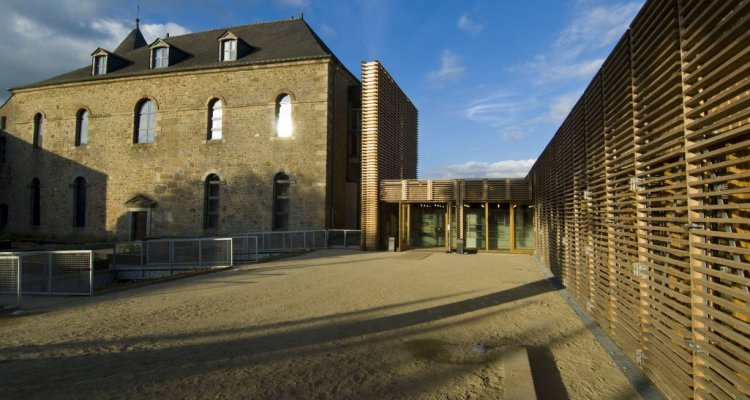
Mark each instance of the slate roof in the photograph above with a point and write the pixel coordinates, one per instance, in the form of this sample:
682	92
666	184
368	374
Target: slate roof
269	42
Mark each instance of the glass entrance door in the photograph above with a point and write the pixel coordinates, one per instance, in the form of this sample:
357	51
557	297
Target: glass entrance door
428	225
498	226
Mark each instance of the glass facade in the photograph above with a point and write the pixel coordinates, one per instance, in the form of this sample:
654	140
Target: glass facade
428	225
523	226
474	226
487	226
498	226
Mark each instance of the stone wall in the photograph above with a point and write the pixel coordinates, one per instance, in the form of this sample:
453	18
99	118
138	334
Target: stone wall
171	171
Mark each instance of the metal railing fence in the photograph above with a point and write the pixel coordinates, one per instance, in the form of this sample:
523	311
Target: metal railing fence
61	272
160	257
10	280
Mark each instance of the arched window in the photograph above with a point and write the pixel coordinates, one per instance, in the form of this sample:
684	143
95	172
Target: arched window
38	130
79	202
284	116
211	203
281	202
36	202
215	115
2	149
3	215
82	127
145	122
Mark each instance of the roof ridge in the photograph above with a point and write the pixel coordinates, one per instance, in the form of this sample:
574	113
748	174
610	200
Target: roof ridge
235	27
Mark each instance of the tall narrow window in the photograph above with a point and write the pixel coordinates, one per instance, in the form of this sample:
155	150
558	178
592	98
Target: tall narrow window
145	121
79	202
284	116
211	204
100	65
215	114
82	128
38	130
160	57
2	149
36	202
229	50
3	215
281	202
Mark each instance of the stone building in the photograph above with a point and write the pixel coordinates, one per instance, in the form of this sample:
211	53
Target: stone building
248	128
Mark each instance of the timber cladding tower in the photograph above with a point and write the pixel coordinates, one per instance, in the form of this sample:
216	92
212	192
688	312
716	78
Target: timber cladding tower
389	143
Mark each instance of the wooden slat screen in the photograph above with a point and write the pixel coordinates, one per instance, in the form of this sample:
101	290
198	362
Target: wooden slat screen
517	190
716	67
389	143
642	198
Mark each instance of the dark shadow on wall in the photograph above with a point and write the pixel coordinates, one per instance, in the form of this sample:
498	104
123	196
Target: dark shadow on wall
246	203
57	195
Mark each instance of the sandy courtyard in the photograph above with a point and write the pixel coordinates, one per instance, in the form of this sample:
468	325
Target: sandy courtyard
331	324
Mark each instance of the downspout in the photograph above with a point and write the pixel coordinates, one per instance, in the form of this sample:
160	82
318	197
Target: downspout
332	151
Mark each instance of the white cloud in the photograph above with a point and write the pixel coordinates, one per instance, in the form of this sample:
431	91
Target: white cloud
577	52
62	35
598	26
560	107
478	169
293	3
468	25
152	31
328	30
562	68
450	70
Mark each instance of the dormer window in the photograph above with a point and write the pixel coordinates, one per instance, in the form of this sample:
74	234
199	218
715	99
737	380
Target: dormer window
229	50
160	57
100	65
103	62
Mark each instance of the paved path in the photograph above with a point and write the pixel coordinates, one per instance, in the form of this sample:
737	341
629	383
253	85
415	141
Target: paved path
330	324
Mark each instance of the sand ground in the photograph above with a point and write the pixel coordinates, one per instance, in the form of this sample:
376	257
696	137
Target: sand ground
329	324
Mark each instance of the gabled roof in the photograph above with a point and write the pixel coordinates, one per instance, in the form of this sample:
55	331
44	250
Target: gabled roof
140	201
276	41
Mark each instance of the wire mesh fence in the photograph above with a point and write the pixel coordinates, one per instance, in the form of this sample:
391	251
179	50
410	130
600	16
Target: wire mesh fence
10	281
163	257
62	272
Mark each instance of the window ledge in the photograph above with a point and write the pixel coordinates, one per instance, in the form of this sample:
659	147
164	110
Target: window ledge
283	138
143	145
214	141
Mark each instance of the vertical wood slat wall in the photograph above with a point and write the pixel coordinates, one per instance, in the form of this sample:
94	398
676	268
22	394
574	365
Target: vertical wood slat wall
642	198
389	143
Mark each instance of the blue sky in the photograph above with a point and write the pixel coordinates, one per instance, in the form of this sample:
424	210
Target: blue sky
492	79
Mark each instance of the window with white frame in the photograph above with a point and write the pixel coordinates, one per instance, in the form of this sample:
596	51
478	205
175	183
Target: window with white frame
82	127
229	50
79	202
100	65
215	116
211	203
145	122
38	130
284	116
36	202
160	57
281	202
